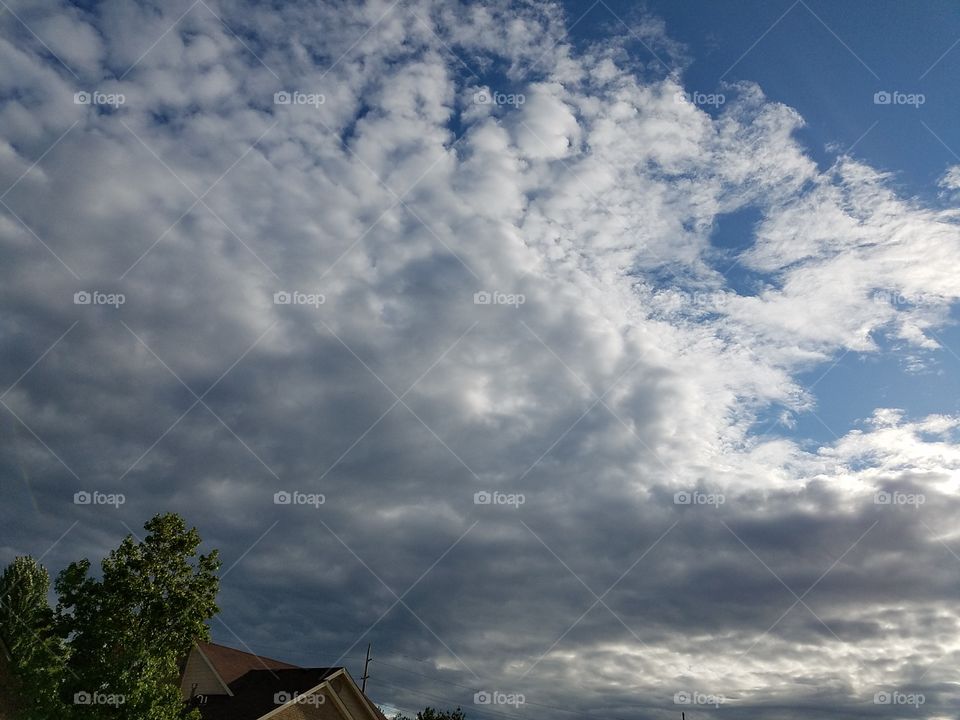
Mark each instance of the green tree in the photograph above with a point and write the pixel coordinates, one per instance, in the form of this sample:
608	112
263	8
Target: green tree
129	629
27	629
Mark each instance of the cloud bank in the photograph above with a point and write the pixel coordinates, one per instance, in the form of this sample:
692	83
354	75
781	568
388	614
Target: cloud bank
399	255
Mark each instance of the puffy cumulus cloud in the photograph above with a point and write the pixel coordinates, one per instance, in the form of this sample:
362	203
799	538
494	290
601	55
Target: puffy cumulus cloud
951	178
545	127
77	42
317	262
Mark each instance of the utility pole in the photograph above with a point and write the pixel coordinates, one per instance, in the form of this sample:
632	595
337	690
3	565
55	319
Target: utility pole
366	664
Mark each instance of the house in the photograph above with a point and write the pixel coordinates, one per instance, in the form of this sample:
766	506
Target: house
229	684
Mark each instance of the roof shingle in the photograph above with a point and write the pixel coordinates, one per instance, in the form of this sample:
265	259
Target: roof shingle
231	664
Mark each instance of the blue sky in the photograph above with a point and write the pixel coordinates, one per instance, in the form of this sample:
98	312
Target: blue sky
826	60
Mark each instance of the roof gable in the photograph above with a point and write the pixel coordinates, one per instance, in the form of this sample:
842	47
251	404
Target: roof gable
344	681
256	687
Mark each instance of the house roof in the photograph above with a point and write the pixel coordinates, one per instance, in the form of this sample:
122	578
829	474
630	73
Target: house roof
255	685
255	693
231	664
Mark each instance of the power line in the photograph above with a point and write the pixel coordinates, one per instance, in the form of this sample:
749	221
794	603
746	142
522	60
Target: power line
432	679
448	703
474	689
419	660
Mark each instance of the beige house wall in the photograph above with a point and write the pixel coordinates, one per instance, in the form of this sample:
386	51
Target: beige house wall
198	671
355	705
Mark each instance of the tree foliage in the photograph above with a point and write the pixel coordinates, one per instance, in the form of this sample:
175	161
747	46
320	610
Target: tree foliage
27	629
112	647
130	628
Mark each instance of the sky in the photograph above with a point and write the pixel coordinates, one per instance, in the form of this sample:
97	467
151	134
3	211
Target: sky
589	360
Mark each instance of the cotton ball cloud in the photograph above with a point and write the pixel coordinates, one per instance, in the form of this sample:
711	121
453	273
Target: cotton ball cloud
545	127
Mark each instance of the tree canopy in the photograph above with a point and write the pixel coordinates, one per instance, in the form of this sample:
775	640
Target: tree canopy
27	629
113	645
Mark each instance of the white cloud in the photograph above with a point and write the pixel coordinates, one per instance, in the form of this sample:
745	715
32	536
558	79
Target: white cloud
951	178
